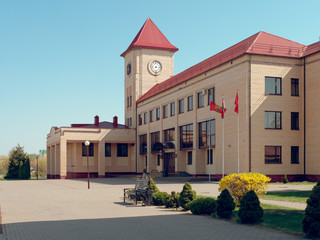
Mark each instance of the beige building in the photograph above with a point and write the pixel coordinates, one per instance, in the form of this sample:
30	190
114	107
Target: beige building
171	129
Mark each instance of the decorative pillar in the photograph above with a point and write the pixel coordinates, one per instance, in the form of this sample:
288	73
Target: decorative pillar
101	160
63	159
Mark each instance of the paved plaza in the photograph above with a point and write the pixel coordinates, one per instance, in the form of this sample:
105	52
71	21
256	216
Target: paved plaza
66	209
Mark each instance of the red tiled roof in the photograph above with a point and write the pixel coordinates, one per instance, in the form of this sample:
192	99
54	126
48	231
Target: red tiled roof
313	48
261	43
108	125
150	36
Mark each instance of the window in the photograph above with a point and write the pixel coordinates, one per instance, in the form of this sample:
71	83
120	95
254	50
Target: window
200	100
181	106
207	133
107	147
84	150
158	159
140	119
145	118
155	137
122	150
186	136
152	115
190	103
128	104
165	111
130	122
143	143
210	95
189	158
272	154
272	120
157	114
294	87
169	135
130	101
294	155
173	109
209	157
273	85
294	121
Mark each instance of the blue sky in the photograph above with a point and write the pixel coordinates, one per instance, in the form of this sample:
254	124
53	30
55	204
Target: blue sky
60	60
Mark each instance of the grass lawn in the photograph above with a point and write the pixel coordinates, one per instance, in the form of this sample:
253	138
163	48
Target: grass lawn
289	196
295	183
279	218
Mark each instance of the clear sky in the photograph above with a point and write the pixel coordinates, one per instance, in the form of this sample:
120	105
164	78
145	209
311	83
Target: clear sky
60	60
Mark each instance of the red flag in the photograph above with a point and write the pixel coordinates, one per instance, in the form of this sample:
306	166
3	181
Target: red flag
223	109
215	107
236	102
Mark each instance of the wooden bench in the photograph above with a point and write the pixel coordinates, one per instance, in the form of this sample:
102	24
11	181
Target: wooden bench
141	192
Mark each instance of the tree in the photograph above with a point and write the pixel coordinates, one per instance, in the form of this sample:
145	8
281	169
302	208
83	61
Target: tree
18	159
250	210
226	204
187	195
4	163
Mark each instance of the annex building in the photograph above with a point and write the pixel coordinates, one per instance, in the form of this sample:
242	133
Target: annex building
169	126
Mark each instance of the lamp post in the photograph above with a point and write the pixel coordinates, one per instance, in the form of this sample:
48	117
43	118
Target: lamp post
87	143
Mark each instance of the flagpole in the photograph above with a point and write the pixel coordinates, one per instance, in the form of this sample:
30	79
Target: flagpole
238	134
222	137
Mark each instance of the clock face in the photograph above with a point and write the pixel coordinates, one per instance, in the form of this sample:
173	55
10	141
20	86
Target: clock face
155	67
128	69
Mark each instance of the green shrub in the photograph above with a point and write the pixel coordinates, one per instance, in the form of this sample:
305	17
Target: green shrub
311	221
203	206
153	186
172	201
226	204
250	210
159	198
187	195
285	179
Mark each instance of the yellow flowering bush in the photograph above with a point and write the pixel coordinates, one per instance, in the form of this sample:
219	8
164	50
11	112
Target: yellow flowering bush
239	184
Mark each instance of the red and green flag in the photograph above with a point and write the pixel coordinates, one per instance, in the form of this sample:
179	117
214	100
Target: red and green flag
219	109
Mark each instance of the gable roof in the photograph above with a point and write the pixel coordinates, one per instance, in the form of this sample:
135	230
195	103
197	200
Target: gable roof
261	43
150	36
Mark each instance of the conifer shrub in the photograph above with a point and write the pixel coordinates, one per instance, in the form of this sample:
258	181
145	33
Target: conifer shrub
285	179
311	221
239	184
159	198
226	204
153	187
187	195
172	201
250	210
203	206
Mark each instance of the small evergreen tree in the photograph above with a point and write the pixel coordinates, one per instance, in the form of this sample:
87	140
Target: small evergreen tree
186	196
311	221
250	210
172	201
153	186
16	156
226	204
285	179
203	206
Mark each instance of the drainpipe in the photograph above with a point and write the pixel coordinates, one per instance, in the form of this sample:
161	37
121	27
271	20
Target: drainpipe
250	113
304	116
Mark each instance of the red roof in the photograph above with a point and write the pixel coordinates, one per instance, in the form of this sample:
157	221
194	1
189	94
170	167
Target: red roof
150	36
313	48
261	43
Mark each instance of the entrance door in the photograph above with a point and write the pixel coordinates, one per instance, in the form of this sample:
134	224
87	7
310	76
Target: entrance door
169	160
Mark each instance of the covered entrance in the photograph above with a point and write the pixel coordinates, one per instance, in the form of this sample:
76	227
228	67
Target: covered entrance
169	162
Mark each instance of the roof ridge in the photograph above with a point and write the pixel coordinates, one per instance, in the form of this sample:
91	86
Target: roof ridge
253	42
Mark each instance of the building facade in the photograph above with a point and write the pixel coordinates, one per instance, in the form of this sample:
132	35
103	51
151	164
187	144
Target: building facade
174	131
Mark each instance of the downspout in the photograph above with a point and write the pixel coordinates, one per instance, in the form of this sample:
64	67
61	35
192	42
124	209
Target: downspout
304	117
249	112
136	132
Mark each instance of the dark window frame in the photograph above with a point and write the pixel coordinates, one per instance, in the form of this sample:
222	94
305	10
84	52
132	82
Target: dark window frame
190	103
165	110
140	119
273	158
181	106
157	114
275	117
200	100
107	149
295	87
158	160
169	134
276	87
143	140
210	157
295	155
294	120
205	135
91	150
172	109
189	158
154	138
152	115
187	141
122	150
145	118
210	93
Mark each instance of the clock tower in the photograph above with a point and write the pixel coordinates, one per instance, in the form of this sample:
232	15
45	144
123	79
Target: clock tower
148	61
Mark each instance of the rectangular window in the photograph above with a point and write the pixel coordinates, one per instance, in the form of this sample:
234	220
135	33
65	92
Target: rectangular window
130	101
209	157
143	144
294	87
210	95
158	159
200	100
172	109
294	121
190	103
273	85
130	121
207	133
165	111
107	147
294	155
158	114
128	104
145	118
84	150
169	135
152	115
155	138
189	158
140	119
272	120
181	106
122	150
186	136
272	154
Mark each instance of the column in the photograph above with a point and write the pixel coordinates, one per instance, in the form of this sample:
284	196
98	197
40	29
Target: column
63	159
101	160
